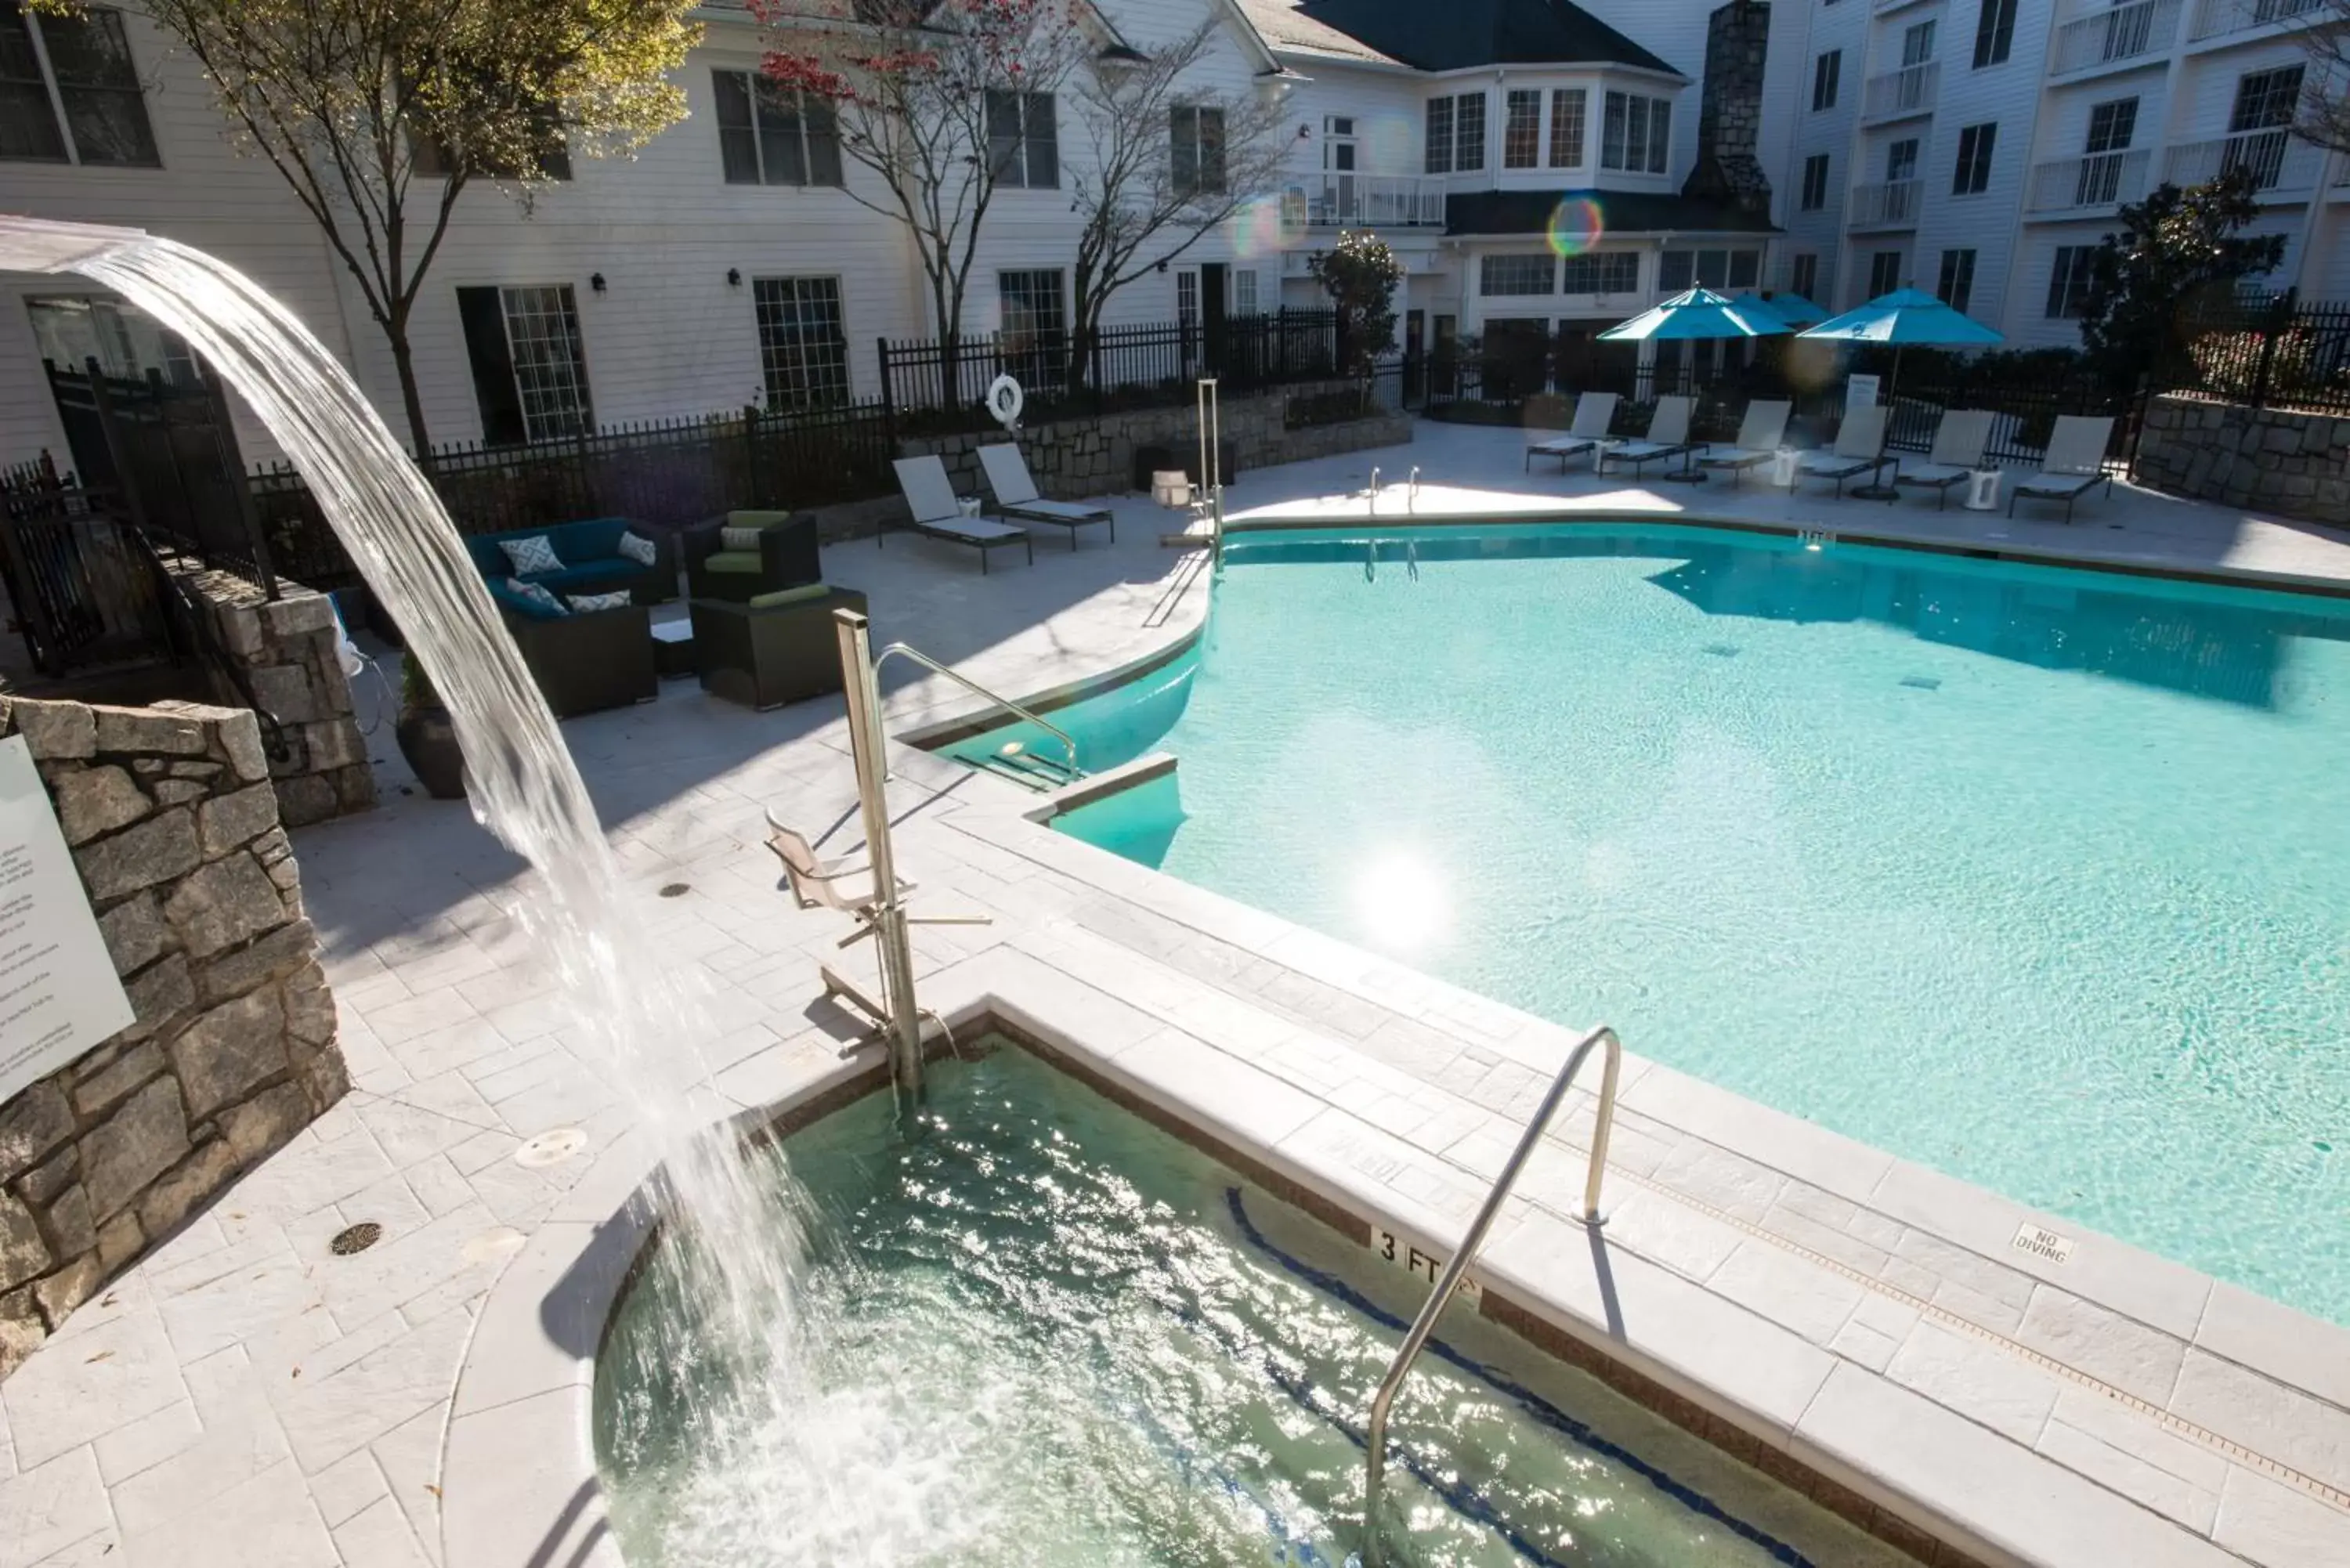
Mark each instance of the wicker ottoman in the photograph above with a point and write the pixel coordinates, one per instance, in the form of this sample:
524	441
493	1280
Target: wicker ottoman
764	658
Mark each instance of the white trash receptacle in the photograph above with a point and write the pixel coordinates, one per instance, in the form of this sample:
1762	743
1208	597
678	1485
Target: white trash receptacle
1783	468
1982	490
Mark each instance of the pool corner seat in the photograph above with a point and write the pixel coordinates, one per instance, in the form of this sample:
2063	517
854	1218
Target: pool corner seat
2074	462
1759	430
743	554
1961	439
1667	436
1594	412
583	661
937	512
590	560
1017	496
1859	448
776	649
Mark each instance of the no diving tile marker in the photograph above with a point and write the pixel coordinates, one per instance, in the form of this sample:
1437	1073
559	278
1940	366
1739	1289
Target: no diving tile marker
2042	1243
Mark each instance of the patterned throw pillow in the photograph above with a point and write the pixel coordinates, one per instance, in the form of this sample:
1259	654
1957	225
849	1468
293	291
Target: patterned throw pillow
585	603
740	538
639	548
535	554
538	596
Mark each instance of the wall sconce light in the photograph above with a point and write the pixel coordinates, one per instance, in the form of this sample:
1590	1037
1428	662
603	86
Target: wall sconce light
595	282
1162	266
733	277
1304	132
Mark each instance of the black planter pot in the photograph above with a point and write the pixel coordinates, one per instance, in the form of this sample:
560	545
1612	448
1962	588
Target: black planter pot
429	741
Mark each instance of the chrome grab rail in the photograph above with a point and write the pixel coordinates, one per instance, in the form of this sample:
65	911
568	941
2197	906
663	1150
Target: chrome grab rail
1425	1323
1006	703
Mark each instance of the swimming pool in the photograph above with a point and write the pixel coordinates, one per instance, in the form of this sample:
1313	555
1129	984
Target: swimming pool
1041	1330
2036	875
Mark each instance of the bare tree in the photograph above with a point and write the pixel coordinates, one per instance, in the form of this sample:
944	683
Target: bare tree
943	102
380	114
1171	164
2323	115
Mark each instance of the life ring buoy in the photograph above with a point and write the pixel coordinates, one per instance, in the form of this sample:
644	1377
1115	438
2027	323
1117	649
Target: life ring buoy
1005	399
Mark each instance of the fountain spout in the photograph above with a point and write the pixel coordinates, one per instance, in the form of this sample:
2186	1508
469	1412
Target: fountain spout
48	244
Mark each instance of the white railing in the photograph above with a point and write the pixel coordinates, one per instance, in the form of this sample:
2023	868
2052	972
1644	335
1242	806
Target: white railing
2094	179
2215	18
1891	205
2277	162
1375	200
1909	90
2123	33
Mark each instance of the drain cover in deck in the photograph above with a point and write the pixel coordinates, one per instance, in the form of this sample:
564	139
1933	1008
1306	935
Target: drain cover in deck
550	1147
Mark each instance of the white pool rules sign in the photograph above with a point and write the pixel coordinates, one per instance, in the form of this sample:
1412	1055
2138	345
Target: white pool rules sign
59	992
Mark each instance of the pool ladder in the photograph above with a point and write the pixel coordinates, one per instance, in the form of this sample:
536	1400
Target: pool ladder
1375	1444
1016	764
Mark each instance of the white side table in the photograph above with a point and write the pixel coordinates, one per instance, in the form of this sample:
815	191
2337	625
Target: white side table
969	504
1783	468
1982	490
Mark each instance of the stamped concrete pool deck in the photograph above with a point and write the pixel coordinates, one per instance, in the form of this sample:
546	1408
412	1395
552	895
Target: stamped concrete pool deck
245	1396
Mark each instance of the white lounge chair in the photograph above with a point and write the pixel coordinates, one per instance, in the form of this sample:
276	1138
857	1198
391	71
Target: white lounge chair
1668	435
1759	434
1959	441
2074	461
930	496
1593	411
1859	449
1017	494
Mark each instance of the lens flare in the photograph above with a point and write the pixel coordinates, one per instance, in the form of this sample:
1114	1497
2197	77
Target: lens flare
1260	228
1575	225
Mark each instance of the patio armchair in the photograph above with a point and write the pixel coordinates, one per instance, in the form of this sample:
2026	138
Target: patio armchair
583	661
745	553
777	648
2074	461
1759	434
1959	441
1859	449
1594	411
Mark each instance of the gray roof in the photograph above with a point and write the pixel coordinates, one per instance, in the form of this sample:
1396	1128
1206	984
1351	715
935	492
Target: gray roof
1448	35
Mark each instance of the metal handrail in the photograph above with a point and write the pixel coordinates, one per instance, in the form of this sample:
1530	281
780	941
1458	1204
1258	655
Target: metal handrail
1425	1323
1006	703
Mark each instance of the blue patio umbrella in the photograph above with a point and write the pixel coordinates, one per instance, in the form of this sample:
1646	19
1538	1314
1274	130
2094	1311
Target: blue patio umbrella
1698	314
1905	316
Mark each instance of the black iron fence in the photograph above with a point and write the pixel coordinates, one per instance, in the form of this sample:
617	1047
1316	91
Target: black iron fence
933	385
2278	351
84	588
670	472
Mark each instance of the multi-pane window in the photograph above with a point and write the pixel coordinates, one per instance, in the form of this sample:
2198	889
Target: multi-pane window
70	330
1635	134
1901	160
772	135
1024	141
1522	129
1600	272
1994	32
1956	287
86	57
1815	183
803	352
1918	43
530	370
1516	275
1971	176
2111	126
1827	73
1456	134
1196	143
1187	299
1716	269
1439	136
1566	109
1244	291
1803	275
2266	99
1884	272
2068	281
1036	324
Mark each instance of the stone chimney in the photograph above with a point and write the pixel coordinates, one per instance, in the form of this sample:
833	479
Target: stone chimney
1729	112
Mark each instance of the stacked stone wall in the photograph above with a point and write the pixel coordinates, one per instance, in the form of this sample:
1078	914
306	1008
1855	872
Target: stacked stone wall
173	821
2283	460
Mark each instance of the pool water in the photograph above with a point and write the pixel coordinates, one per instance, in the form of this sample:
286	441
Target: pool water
1039	1331
2036	875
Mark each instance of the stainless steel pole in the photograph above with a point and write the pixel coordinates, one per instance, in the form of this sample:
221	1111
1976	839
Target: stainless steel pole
889	911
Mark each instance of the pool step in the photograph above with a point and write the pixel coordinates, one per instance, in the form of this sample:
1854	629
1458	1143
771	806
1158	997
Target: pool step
1029	772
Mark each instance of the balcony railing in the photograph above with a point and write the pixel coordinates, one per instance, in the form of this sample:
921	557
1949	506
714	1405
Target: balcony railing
2123	33
1890	205
2094	180
2278	163
1371	200
1909	90
2215	18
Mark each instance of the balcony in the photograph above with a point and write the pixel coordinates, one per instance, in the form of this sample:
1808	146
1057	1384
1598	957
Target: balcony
2094	180
1365	201
2216	18
1897	94
1892	204
2130	32
2280	165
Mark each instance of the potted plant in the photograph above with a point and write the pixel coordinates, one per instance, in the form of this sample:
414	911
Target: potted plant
427	736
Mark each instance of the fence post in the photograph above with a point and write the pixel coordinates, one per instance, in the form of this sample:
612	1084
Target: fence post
751	454
2280	316
889	397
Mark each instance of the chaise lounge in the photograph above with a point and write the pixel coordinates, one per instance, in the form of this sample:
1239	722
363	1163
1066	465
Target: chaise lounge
1594	411
2074	462
1668	427
1759	434
1017	496
1960	442
1859	449
930	497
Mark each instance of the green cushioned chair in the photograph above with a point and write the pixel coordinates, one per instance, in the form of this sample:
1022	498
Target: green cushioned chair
718	568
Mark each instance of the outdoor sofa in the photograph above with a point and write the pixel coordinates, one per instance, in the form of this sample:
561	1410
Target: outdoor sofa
589	558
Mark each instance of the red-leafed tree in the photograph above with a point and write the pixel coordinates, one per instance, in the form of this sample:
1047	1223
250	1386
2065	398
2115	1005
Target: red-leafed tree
942	103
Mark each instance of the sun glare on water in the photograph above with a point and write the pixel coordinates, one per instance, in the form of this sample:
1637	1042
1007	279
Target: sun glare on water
1401	902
